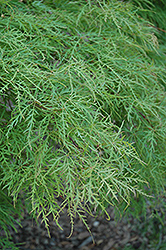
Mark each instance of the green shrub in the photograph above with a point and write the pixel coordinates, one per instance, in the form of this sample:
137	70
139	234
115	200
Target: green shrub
82	103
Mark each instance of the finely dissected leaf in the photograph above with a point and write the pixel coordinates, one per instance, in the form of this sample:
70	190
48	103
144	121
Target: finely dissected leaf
82	103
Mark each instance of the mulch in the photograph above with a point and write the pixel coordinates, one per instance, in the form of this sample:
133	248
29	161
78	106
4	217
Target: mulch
126	233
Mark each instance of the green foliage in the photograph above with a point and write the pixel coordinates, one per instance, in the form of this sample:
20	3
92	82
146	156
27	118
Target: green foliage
7	213
155	12
82	105
5	244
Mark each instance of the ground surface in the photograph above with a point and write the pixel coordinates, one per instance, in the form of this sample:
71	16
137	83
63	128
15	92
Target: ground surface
108	235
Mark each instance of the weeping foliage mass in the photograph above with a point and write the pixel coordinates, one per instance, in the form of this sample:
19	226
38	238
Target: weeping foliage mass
82	107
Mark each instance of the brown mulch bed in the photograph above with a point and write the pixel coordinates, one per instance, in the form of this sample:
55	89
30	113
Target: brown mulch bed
125	234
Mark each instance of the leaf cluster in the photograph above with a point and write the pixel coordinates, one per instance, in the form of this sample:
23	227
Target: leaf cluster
82	106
